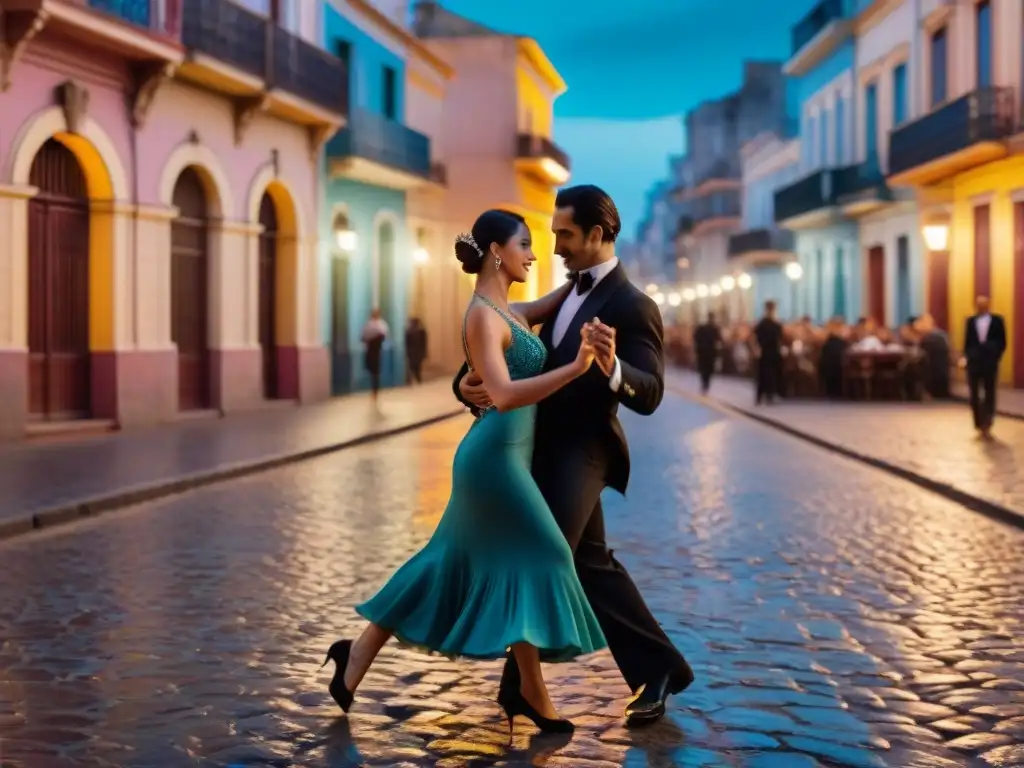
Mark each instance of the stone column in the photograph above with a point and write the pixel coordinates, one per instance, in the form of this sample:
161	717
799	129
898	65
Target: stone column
145	359
14	309
236	357
314	364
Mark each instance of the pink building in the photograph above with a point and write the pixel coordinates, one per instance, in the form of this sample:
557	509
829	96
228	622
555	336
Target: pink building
158	193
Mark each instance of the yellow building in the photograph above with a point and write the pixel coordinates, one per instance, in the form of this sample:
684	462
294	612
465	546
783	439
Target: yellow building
496	135
965	157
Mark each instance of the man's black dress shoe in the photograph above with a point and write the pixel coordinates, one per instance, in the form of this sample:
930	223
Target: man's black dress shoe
648	705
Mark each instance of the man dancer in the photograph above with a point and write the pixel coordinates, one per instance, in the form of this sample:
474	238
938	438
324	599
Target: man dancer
580	447
984	345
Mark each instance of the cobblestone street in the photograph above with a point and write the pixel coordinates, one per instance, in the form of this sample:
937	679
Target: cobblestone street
834	616
935	440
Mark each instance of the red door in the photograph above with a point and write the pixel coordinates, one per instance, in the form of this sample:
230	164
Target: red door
876	284
189	293
268	296
938	288
982	252
1017	331
58	292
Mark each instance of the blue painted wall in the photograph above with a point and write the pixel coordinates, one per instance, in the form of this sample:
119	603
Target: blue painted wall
368	59
365	205
828	255
827	70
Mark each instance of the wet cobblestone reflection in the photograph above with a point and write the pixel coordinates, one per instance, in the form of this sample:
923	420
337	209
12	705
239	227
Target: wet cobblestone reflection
834	617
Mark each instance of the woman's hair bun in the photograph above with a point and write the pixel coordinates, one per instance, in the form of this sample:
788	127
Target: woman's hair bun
469	254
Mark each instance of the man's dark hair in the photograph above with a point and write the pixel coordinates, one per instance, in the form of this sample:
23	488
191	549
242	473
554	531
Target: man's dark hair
591	207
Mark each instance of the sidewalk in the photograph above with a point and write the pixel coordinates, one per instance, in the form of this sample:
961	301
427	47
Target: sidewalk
931	444
1009	401
45	484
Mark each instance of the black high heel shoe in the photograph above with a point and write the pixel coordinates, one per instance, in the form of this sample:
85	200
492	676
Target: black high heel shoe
514	703
339	653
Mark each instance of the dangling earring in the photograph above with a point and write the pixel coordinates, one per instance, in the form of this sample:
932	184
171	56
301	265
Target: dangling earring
497	263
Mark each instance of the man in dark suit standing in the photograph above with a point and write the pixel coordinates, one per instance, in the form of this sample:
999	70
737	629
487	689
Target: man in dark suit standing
580	447
707	342
984	344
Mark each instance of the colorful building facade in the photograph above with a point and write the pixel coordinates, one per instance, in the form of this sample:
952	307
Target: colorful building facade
819	206
497	126
159	258
371	166
761	249
964	158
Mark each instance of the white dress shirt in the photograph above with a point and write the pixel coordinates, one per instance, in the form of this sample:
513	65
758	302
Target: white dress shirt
981	325
572	305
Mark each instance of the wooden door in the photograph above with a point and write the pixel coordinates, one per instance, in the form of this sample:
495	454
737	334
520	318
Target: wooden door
938	288
982	251
60	385
190	291
1017	331
268	296
876	285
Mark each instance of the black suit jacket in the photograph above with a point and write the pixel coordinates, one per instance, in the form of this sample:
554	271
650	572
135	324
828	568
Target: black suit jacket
587	408
984	355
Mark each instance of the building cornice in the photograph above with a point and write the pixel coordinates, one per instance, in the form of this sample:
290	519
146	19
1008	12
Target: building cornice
532	52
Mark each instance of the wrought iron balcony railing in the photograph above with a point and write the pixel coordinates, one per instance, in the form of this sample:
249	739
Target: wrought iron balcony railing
755	240
819	17
986	114
726	203
160	16
255	45
531	146
374	137
821	189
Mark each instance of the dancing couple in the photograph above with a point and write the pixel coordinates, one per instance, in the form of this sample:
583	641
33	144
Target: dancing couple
518	566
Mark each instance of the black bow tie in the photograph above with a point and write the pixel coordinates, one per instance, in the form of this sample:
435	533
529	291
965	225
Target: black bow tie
583	281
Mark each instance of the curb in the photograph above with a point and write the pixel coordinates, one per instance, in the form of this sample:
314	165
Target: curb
970	501
126	497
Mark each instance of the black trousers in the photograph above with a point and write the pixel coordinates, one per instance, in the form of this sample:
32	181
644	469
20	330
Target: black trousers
415	370
981	383
705	368
769	374
571	478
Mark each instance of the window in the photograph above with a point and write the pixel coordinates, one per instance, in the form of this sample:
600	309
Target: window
983	16
871	124
823	140
939	53
840	130
390	94
809	152
899	94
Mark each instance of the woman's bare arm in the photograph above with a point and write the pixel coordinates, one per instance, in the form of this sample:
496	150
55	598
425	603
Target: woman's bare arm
540	310
487	335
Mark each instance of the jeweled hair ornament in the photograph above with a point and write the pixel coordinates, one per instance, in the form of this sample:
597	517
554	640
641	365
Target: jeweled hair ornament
468	240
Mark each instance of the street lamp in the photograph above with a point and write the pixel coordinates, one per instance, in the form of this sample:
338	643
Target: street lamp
702	291
674	299
689	295
744	281
344	236
652	289
715	290
659	298
936	237
728	283
794	272
420	255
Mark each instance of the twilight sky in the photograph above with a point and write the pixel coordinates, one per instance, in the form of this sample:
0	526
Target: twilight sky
633	68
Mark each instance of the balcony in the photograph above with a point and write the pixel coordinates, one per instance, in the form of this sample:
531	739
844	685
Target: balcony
375	150
862	189
816	35
716	210
814	200
241	54
956	137
539	156
761	246
142	31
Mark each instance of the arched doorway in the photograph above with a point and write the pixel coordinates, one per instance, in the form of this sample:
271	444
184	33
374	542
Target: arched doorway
268	296
58	294
190	290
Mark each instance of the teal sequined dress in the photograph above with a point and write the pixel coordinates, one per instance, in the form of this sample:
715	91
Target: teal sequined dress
497	570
